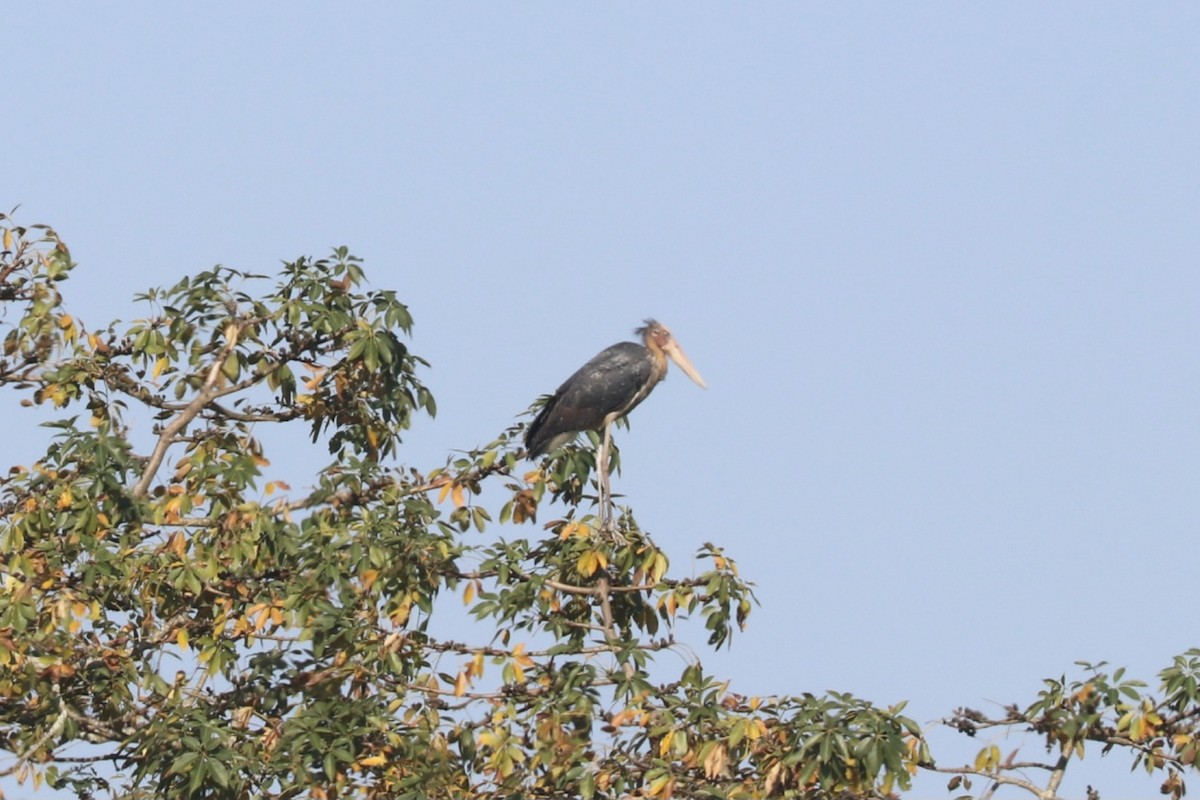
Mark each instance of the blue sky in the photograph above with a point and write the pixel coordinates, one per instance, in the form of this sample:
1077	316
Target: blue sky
936	261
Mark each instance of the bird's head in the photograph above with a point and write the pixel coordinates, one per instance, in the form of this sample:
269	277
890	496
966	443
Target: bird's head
658	338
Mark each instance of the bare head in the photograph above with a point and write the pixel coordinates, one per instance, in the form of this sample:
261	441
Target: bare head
658	338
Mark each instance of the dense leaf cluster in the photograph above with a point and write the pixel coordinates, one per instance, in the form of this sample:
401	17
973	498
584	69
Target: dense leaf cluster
176	622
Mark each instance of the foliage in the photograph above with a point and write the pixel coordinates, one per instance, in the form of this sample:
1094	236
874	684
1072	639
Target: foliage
175	622
1101	709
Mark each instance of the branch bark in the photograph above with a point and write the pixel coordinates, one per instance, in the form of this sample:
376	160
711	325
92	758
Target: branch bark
208	392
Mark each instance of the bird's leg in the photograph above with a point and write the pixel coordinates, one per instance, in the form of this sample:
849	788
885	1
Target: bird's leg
605	488
606	503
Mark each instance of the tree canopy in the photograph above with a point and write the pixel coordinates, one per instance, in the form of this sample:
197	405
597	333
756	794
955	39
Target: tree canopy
177	622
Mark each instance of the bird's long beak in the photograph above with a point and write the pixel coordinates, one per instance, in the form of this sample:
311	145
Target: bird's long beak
680	358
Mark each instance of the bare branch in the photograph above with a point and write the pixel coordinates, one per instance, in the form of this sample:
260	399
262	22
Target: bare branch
239	416
1056	777
999	778
603	593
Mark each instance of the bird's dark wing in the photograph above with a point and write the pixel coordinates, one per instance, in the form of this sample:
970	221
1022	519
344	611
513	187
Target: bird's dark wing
613	382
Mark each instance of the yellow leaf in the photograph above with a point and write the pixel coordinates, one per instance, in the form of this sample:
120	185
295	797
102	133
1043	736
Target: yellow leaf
469	593
590	561
65	499
660	787
774	778
988	758
461	683
716	762
457	496
241	717
8	240
446	486
373	761
67	323
659	569
260	614
232	367
668	602
1137	729
400	615
177	544
181	639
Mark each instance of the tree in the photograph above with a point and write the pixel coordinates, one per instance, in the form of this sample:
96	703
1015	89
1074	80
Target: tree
175	622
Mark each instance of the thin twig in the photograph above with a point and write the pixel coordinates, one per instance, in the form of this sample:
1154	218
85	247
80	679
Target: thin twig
239	416
1007	780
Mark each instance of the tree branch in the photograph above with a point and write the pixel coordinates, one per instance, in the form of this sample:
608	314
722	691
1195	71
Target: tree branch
996	777
1056	777
208	392
239	416
54	731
